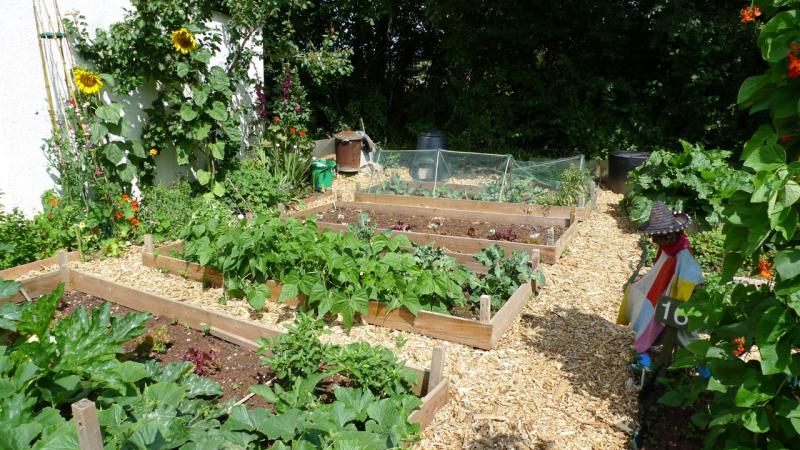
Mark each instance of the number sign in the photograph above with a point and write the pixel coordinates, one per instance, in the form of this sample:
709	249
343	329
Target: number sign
667	313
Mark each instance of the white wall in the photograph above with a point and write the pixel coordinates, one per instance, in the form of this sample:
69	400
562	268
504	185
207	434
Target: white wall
24	116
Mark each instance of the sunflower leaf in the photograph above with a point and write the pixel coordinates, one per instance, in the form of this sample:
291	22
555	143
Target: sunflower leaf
127	173
137	148
218	79
187	113
109	113
200	95
183	69
99	132
203	177
113	153
202	55
217	149
218	111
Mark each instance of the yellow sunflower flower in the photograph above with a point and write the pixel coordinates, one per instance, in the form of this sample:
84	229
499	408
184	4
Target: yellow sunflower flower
87	81
183	41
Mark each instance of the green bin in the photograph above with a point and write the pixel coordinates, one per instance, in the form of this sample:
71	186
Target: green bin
322	173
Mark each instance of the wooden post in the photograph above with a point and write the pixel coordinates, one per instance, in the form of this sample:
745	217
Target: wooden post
63	263
536	258
486	308
581	201
85	415
550	237
148	244
437	366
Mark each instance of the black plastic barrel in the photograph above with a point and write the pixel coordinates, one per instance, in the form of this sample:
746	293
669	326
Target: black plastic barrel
423	166
431	140
620	164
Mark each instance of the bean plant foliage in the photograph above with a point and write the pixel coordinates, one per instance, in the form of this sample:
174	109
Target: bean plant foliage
323	395
755	331
340	273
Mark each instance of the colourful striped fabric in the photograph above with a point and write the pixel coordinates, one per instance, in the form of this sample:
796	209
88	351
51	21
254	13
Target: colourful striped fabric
675	276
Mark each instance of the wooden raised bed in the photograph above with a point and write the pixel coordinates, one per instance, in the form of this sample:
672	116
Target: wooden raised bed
482	334
461	244
18	271
432	386
581	211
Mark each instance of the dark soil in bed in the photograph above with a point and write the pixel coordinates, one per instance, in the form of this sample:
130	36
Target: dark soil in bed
233	367
663	427
445	226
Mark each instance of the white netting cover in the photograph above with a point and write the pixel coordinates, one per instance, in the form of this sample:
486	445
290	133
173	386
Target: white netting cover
474	176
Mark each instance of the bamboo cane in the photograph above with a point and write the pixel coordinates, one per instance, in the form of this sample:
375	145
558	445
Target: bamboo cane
44	69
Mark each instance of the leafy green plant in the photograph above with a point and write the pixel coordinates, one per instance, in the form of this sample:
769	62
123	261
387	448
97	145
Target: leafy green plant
165	209
753	331
695	181
252	188
505	275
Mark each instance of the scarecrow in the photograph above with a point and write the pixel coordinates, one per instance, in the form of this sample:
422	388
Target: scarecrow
674	274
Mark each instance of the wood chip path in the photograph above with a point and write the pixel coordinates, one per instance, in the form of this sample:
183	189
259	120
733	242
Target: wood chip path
558	378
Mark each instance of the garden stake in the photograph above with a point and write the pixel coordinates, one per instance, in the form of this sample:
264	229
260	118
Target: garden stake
44	69
437	366
85	414
60	34
485	313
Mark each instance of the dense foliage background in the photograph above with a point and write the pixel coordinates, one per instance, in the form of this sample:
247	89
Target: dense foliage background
567	77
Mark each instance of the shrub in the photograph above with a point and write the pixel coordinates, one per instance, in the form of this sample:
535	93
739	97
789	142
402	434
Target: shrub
252	188
166	209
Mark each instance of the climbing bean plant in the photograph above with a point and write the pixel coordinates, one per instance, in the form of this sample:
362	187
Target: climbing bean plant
755	331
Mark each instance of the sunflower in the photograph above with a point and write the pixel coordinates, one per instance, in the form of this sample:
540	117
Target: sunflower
183	41
87	81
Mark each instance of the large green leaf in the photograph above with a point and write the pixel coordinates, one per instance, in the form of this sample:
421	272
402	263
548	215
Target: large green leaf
218	79
787	263
99	132
200	95
750	87
218	111
767	157
203	177
257	296
187	113
217	150
113	153
109	113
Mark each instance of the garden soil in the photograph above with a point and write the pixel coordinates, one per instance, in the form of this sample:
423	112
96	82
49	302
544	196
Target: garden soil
444	226
558	377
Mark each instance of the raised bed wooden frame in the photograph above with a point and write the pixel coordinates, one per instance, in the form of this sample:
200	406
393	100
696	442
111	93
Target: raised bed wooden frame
483	334
432	386
580	212
461	245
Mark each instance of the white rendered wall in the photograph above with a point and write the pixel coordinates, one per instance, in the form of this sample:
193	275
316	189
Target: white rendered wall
24	116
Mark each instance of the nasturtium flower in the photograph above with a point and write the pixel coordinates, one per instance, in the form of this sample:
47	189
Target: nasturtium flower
154	151
302	133
87	81
276	119
293	130
183	41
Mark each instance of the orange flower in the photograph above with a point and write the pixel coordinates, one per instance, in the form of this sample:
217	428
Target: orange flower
135	221
120	215
125	197
750	13
766	269
302	133
277	120
793	70
740	350
53	201
134	205
293	130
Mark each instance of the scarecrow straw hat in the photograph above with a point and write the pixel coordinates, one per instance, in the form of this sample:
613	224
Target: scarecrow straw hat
664	221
